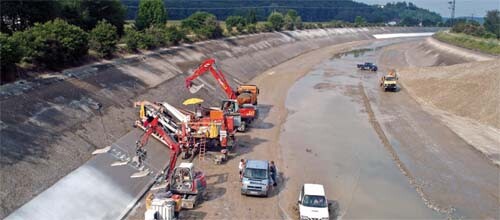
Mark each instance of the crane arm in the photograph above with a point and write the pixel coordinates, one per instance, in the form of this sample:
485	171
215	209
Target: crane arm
208	65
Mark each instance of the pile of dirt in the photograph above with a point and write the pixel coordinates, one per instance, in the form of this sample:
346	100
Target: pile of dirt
469	90
466	97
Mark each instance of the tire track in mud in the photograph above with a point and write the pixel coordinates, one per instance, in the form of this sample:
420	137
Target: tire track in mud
387	144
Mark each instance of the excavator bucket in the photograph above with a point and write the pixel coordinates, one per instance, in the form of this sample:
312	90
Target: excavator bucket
195	88
121	162
140	174
102	150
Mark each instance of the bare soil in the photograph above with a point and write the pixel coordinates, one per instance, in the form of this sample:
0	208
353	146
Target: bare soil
223	199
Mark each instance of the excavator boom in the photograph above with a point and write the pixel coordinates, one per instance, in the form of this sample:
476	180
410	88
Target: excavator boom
152	128
210	66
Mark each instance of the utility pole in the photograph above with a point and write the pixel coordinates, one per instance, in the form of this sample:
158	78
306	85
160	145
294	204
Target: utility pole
452	8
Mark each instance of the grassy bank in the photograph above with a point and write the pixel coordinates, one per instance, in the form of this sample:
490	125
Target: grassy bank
490	46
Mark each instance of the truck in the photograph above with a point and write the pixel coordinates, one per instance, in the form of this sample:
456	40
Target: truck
313	203
368	66
256	179
389	81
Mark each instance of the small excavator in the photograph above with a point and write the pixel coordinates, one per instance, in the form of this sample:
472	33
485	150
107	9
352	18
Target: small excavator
243	100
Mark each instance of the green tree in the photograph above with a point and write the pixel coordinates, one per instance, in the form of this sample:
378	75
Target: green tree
288	23
10	54
103	39
298	23
251	17
276	20
17	15
237	22
492	22
53	43
359	21
87	13
151	12
292	14
203	24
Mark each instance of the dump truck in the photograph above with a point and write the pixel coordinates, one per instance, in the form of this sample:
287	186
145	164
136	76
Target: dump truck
389	81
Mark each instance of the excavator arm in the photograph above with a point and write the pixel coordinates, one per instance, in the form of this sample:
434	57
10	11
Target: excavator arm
152	128
208	65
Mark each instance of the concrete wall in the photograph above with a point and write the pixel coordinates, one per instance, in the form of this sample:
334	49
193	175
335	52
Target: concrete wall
49	125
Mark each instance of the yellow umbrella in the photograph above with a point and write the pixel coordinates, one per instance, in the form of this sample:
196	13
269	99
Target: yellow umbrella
192	101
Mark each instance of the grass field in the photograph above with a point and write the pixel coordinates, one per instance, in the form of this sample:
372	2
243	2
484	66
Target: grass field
490	46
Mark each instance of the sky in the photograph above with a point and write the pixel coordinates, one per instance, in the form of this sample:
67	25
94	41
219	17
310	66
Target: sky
462	8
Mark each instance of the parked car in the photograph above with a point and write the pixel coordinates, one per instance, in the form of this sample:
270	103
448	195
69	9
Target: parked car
256	179
313	203
368	66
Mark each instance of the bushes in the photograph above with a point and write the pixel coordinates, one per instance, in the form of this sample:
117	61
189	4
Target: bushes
53	43
264	27
237	22
10	53
153	37
204	25
103	39
174	35
132	39
276	20
491	46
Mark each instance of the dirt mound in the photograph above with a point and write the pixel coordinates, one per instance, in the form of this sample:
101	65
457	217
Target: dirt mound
469	90
465	96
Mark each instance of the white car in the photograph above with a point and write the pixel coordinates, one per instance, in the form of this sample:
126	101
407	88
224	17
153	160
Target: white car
313	204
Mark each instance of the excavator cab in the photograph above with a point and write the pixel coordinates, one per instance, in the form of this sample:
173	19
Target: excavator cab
229	106
185	180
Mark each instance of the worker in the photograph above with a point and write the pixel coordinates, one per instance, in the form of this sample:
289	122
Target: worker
198	111
241	166
273	171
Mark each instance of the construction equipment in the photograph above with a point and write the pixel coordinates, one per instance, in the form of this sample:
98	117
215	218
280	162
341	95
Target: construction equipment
245	96
151	127
194	132
389	81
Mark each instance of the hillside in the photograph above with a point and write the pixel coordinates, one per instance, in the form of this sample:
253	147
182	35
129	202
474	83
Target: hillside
309	10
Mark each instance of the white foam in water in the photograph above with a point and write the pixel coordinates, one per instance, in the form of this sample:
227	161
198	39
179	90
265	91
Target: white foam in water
387	36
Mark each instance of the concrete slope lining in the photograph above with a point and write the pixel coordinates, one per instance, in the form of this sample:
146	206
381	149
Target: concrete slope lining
52	125
97	190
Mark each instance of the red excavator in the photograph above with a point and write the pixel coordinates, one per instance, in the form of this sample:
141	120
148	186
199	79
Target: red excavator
242	101
151	127
212	128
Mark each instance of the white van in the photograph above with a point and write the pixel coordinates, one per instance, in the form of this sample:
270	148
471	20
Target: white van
313	203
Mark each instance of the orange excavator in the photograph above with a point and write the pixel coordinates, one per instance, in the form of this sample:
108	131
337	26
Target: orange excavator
243	100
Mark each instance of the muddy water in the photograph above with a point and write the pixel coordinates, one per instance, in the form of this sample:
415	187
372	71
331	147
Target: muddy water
330	138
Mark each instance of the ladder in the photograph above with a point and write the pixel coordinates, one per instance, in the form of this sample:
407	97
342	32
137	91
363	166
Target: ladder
203	148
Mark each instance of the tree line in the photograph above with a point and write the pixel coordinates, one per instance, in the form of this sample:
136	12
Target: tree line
58	34
489	29
309	10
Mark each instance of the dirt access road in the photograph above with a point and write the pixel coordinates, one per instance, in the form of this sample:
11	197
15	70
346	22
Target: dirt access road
378	154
